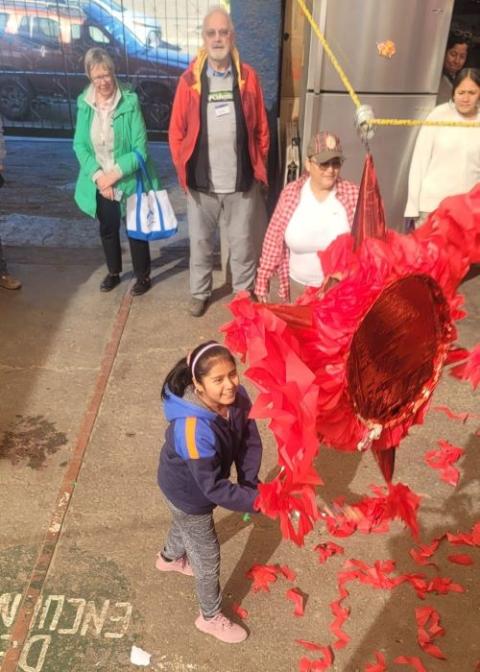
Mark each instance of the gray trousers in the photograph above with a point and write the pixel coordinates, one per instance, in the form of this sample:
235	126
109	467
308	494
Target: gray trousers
244	215
196	536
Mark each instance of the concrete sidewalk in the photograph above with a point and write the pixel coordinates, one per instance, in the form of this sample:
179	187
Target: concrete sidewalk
102	593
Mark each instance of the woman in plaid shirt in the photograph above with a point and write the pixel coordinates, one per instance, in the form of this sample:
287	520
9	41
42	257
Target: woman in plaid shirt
311	212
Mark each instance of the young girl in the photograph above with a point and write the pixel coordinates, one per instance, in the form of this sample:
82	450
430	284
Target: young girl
209	430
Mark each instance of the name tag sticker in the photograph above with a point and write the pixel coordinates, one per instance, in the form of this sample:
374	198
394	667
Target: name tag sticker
221	110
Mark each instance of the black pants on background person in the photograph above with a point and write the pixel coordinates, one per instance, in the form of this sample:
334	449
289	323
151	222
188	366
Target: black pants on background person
109	216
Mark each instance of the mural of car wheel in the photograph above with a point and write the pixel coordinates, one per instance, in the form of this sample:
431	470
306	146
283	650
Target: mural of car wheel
156	101
15	99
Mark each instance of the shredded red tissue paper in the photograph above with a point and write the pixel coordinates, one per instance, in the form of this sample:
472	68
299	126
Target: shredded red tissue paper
456	355
423	554
379	666
326	551
463	417
288	573
441	585
460	559
341	614
444	459
376	575
413	661
297	598
395	501
310	646
239	610
428	630
466	538
318	664
262	576
470	370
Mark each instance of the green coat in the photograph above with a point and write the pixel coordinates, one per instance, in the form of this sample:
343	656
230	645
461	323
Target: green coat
129	134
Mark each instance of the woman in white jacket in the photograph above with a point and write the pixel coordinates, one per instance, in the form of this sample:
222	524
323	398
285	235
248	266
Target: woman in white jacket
446	159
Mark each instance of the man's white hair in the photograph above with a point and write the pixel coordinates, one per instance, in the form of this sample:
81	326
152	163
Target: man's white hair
218	9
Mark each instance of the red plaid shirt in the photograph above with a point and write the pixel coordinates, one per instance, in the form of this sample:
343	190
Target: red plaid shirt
275	253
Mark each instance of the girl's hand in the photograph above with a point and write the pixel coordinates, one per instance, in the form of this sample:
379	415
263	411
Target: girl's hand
351	513
346	510
262	299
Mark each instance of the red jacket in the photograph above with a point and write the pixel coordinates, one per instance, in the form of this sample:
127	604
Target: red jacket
185	119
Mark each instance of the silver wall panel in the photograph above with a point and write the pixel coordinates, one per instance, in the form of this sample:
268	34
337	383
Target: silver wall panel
353	28
391	147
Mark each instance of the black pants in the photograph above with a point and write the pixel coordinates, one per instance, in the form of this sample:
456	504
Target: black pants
108	213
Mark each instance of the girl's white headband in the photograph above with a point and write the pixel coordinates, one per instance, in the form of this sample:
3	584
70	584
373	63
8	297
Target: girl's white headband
201	352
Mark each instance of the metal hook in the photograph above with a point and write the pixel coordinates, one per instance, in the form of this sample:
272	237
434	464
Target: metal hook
363	116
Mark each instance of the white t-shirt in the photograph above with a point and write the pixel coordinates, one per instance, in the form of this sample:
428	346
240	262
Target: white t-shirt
312	227
445	162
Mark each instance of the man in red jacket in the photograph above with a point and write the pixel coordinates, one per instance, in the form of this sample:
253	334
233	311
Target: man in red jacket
219	142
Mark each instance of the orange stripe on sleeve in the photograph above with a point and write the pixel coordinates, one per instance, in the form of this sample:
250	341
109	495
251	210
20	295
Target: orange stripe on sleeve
190	425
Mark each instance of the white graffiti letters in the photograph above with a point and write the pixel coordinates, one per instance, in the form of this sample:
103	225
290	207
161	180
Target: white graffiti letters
65	616
25	662
80	605
8	613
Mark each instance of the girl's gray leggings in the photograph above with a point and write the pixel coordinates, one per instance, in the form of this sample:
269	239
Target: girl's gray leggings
196	536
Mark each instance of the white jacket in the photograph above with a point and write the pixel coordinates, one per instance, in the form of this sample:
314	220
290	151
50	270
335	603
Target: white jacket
445	161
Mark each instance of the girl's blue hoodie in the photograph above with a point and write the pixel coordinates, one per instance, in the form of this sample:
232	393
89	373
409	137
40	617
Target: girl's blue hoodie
199	450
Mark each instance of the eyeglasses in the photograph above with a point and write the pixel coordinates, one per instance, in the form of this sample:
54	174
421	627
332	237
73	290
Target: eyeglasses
221	32
336	164
102	78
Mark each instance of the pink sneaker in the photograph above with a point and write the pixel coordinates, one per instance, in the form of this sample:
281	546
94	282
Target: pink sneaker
181	565
222	628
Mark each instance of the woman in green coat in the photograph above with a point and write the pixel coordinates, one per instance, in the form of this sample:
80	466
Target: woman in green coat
109	128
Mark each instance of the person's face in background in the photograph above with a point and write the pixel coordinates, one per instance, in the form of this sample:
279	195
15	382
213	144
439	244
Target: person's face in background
466	97
455	58
103	81
218	40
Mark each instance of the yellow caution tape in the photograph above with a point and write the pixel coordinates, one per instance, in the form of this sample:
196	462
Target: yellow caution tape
422	122
331	55
353	95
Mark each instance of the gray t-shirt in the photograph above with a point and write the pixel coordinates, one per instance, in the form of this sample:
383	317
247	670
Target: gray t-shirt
222	133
